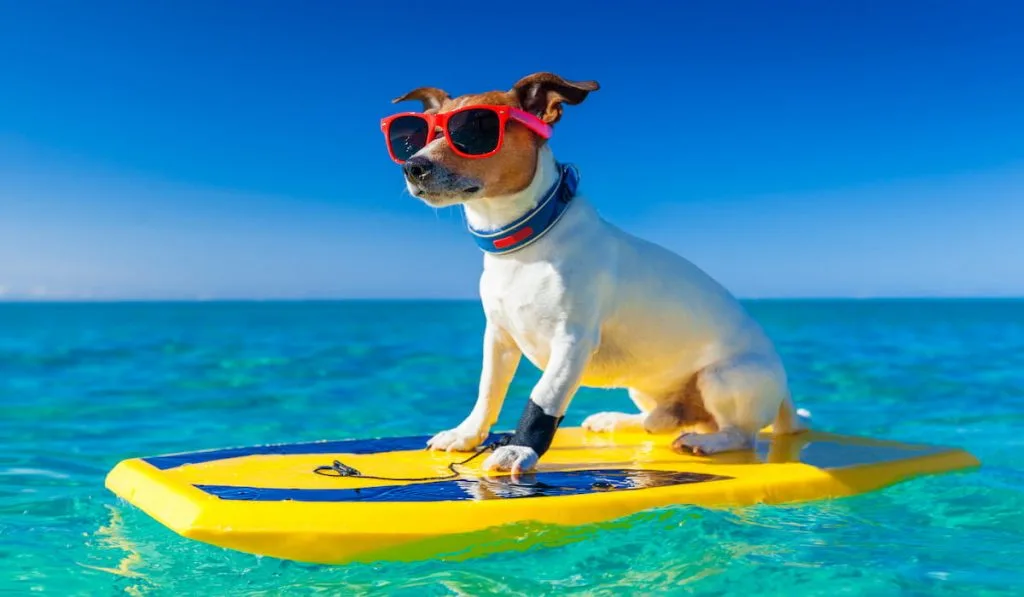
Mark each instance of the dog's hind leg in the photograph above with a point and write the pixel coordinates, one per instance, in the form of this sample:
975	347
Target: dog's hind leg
743	395
682	408
729	439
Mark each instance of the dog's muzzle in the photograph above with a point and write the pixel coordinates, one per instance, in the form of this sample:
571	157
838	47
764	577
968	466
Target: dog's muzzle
426	177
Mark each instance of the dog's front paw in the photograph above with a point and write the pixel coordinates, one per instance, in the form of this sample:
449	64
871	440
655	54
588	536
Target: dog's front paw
456	440
514	459
608	422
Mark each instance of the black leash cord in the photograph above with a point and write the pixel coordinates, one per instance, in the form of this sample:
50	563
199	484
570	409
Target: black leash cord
339	469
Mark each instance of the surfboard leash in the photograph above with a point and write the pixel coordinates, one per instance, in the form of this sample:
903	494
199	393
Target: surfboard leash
340	469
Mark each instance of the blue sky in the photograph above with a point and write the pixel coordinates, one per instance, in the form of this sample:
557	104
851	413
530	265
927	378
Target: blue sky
231	149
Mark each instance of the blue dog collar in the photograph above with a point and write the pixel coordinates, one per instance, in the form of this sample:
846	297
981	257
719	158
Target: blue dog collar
537	222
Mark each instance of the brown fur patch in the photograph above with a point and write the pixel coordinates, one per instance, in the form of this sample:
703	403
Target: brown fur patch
511	169
544	93
432	97
682	408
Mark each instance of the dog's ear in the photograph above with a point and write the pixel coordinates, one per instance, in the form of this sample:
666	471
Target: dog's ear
432	97
542	94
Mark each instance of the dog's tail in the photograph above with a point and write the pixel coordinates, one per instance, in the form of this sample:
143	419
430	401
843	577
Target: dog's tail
791	419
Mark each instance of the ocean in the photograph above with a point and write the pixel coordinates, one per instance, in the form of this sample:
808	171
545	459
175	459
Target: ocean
83	386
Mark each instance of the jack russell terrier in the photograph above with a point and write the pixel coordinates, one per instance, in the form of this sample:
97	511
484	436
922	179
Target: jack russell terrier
587	303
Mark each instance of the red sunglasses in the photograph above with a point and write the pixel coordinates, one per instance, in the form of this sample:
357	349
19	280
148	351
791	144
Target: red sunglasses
471	131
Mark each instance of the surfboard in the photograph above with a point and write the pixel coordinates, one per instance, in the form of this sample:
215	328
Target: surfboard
292	501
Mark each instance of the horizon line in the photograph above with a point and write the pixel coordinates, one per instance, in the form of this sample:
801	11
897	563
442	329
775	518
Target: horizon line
427	299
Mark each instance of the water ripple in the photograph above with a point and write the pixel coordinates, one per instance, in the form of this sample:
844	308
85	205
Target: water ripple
87	385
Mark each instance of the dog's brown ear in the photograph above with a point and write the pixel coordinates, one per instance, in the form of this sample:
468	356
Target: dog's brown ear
432	97
542	94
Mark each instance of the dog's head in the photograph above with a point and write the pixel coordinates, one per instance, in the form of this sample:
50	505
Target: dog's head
439	176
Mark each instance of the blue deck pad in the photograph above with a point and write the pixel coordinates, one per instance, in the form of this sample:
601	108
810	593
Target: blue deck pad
822	454
542	484
345	446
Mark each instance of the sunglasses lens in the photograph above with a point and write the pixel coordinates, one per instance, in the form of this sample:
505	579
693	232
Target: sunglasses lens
475	132
407	135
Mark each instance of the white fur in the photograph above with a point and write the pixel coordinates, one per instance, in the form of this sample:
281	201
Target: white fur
511	458
725	440
591	305
607	422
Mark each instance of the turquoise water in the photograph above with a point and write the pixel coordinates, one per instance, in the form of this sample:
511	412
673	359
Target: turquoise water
84	386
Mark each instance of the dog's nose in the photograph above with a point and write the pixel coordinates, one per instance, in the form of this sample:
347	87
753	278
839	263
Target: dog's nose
418	168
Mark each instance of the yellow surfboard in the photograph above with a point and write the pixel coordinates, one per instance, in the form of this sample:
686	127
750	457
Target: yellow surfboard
268	500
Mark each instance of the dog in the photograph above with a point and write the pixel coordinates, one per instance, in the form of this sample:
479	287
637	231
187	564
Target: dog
587	303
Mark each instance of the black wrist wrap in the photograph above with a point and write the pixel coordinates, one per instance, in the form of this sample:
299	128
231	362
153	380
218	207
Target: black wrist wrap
536	429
